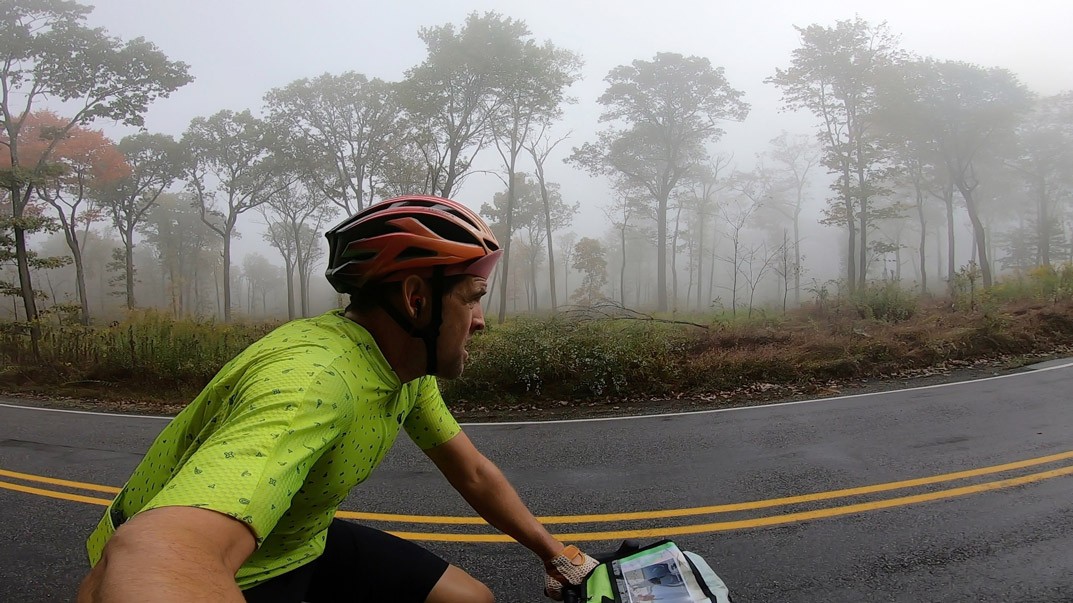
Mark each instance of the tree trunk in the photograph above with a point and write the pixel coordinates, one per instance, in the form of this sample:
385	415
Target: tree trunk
851	260
851	228
128	244
288	268
176	292
898	261
711	277
862	251
978	235
923	241
700	260
303	287
301	261
690	264
28	301
989	242
938	253
797	256
785	268
622	270
528	296
80	279
547	230
674	257
227	276
506	245
1044	227
216	286
449	181
22	259
948	198
661	253
734	286
566	279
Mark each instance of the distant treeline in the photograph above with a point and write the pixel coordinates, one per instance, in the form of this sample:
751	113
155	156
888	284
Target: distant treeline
908	147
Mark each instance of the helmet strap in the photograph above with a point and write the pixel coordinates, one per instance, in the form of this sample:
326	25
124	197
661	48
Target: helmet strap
431	332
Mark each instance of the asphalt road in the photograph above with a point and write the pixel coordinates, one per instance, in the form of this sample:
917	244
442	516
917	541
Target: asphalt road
961	492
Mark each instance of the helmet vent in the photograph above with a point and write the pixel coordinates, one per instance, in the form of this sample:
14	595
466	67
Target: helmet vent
411	253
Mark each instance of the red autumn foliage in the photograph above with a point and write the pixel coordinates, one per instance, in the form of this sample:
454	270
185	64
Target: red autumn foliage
82	151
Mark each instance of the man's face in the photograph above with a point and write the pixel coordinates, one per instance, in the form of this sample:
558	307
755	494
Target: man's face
462	317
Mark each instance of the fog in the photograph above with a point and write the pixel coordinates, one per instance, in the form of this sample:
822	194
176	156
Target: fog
237	52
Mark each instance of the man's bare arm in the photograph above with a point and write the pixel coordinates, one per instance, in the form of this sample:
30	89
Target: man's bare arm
171	554
487	490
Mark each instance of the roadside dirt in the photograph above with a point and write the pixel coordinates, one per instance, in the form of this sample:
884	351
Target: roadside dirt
758	393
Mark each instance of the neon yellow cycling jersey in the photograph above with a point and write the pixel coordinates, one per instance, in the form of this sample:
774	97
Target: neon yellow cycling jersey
279	437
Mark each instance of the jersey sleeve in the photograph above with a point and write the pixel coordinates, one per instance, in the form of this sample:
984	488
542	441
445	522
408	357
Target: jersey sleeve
430	423
253	466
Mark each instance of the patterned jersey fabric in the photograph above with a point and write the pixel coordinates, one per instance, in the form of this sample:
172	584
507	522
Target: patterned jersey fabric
279	437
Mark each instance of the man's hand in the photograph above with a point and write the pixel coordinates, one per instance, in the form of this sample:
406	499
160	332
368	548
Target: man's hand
571	566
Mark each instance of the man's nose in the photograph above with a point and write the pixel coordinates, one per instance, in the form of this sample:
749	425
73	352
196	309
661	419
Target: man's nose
478	320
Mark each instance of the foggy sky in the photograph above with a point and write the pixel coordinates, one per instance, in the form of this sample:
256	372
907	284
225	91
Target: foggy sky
239	49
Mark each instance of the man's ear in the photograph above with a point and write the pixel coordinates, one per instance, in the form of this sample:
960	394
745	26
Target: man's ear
415	296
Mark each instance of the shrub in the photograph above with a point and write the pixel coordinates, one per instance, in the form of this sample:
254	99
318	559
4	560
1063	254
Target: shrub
887	301
574	358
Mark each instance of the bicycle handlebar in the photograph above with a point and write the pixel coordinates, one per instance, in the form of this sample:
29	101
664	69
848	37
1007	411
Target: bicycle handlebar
572	594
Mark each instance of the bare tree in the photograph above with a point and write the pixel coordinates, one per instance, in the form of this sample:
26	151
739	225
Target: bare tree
795	157
736	216
540	147
620	212
567	241
299	211
757	261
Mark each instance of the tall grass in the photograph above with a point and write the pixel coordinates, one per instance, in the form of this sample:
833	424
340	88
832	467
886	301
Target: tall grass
880	330
147	345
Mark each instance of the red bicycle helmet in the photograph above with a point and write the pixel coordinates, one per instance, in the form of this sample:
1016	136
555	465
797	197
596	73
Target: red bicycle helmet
409	235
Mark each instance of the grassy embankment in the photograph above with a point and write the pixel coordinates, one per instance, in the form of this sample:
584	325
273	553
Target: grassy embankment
574	358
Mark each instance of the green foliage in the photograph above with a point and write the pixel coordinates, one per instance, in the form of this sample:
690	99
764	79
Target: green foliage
589	258
885	301
318	117
63	313
30	224
452	96
574	357
558	357
966	288
49	50
1043	283
117	272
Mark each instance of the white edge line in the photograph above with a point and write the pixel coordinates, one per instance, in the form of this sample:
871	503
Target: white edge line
87	412
598	419
776	404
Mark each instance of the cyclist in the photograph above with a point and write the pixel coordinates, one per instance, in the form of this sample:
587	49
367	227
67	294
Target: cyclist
235	499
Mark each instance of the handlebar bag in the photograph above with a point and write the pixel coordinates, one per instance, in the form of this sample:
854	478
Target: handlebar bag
658	572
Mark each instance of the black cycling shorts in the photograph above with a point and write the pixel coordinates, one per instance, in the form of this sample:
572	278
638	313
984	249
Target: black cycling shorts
359	564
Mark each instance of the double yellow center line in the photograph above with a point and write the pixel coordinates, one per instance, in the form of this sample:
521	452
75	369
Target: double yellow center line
655	532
